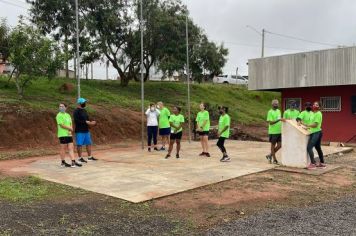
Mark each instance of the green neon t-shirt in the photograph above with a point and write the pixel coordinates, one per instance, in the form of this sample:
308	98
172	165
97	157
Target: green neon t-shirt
164	118
305	117
201	117
63	119
176	120
274	115
316	117
291	114
223	122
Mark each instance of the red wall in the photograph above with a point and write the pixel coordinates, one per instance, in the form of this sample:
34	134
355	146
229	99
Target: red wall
337	126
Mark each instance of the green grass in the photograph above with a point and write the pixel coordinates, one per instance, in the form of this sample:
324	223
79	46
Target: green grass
28	189
245	106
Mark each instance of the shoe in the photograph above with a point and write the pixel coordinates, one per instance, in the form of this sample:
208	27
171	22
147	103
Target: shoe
177	156
167	156
311	167
82	160
163	149
269	158
76	164
207	154
92	159
202	154
275	162
321	166
156	149
65	164
149	149
225	159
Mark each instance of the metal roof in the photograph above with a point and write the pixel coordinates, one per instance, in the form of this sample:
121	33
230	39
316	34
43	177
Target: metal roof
329	67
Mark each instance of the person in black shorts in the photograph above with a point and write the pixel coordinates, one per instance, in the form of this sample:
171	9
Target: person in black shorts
64	133
176	122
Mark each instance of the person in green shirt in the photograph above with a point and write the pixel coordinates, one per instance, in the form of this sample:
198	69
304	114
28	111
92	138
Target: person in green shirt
176	122
203	127
304	116
292	113
223	132
163	124
274	119
316	135
64	134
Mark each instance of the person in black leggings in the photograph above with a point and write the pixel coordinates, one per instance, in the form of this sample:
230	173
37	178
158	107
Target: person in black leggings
152	126
224	132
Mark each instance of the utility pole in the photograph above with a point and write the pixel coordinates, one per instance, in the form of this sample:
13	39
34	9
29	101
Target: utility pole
77	35
92	71
188	75
263	43
142	83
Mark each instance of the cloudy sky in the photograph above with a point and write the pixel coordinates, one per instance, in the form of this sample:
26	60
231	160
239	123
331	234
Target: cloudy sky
328	23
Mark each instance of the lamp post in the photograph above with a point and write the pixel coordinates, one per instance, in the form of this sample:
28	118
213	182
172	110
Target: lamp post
142	82
188	76
77	39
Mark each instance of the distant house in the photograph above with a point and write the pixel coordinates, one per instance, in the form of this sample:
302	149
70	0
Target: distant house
62	73
328	76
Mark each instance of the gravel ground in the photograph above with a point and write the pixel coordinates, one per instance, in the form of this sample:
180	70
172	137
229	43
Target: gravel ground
335	218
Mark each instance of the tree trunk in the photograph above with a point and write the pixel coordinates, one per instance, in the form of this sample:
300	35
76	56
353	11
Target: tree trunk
66	52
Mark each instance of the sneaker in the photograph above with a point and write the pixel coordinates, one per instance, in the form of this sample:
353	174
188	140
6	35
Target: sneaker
92	159
82	160
311	167
321	165
163	149
149	149
275	162
156	149
225	159
167	156
177	156
207	154
65	164
202	154
269	158
76	164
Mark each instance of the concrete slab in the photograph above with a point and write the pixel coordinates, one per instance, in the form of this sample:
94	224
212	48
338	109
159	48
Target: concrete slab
138	176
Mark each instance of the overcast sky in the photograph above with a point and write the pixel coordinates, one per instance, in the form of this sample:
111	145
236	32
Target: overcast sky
330	22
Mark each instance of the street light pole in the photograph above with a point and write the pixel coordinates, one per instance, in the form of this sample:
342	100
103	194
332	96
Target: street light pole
77	36
188	79
142	82
263	42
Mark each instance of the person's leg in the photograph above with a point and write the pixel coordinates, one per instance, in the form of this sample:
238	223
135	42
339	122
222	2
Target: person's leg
62	151
278	147
273	150
311	144
318	148
206	143
88	147
170	149
149	136
178	146
154	133
202	143
220	144
80	151
71	151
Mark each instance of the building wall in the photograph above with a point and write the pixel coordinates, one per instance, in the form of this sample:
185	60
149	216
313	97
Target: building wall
2	68
307	69
337	126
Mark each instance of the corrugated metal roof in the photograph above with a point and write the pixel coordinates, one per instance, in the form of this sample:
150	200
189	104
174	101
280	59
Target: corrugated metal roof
308	69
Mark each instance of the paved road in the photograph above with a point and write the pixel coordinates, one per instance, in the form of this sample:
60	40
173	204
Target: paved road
336	218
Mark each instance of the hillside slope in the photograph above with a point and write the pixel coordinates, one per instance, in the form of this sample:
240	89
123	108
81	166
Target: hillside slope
30	122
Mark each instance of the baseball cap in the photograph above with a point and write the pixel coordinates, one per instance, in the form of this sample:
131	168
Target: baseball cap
81	100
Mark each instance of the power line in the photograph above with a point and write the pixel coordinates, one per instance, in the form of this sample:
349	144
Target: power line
301	39
12	4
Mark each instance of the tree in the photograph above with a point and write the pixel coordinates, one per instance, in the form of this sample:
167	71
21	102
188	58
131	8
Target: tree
32	56
4	40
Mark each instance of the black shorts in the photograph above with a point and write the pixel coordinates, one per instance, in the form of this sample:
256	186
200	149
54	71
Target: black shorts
177	136
65	140
275	138
203	133
164	131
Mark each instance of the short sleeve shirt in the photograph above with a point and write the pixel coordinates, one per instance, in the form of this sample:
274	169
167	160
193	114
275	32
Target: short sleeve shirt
291	114
274	115
316	117
164	118
176	120
201	117
305	117
223	122
63	119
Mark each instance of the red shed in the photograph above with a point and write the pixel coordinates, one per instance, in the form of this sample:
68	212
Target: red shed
328	76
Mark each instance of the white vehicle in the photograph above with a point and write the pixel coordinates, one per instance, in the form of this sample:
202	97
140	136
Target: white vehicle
230	79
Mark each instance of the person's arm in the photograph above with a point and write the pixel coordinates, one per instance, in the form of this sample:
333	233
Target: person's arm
223	130
314	125
66	127
203	125
173	126
147	112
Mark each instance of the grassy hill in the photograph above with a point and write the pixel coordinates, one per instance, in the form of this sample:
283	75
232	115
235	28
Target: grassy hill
247	107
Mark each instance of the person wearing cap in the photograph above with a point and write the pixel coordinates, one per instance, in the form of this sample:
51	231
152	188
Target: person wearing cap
82	133
292	113
274	119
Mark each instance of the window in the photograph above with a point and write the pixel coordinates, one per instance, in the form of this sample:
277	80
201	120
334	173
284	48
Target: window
330	103
288	103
